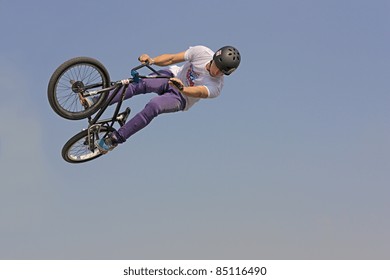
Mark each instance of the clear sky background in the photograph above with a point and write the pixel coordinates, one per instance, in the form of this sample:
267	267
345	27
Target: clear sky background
292	161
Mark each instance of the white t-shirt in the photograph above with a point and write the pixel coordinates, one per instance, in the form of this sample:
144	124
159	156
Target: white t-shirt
194	73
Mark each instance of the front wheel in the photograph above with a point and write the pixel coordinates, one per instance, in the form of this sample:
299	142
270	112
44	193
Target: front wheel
81	147
74	80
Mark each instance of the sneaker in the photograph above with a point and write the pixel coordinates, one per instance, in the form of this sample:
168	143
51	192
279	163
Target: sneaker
106	144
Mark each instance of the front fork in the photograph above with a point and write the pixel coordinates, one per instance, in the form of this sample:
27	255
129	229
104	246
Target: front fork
93	135
95	126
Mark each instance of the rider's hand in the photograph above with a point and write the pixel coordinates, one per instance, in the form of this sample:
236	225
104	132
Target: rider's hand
146	59
177	83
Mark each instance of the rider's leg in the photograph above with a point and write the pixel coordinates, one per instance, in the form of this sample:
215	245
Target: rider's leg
158	85
169	102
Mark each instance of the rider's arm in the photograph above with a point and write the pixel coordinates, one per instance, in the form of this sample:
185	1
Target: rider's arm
164	59
195	91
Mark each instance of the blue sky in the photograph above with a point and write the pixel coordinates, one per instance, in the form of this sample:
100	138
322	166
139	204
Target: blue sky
290	162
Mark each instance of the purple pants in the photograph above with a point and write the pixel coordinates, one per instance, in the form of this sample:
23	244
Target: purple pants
169	100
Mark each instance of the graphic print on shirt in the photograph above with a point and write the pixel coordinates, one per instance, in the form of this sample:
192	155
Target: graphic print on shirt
191	76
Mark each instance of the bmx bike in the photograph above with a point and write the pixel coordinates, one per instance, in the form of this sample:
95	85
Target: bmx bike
84	77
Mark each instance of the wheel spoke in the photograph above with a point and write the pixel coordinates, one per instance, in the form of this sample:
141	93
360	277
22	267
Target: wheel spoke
77	149
87	74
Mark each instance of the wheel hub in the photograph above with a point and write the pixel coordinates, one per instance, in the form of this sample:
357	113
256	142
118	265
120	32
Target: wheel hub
78	87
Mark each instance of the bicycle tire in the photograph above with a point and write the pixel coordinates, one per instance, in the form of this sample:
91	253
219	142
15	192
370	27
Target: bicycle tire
76	150
61	92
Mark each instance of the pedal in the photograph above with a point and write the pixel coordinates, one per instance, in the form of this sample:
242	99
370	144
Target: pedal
122	117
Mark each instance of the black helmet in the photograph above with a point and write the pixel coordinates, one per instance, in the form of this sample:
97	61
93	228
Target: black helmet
227	59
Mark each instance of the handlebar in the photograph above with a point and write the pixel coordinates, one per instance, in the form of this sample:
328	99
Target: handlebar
136	76
144	65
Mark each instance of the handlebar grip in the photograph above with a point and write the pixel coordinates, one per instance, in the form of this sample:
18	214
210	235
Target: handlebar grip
177	84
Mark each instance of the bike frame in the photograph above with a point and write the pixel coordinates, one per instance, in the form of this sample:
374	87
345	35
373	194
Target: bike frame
119	87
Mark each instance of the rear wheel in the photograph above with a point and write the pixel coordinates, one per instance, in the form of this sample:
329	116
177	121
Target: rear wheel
70	84
81	147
